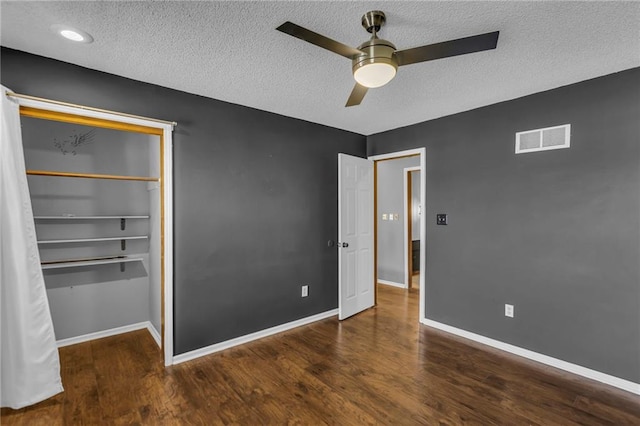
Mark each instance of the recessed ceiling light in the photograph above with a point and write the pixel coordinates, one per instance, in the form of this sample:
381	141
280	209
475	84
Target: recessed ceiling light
72	34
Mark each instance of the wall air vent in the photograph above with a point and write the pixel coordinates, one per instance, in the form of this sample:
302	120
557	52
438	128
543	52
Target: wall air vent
543	139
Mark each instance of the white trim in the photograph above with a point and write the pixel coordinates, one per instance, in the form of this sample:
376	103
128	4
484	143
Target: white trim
390	155
392	283
168	245
407	273
167	148
422	152
423	232
197	353
543	359
93	114
155	334
105	333
339	242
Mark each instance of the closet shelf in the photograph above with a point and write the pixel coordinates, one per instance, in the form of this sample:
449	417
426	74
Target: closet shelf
87	240
91	175
87	217
73	263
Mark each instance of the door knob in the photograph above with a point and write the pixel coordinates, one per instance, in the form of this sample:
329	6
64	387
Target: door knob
343	244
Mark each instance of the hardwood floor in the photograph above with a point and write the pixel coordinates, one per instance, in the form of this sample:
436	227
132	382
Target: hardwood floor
380	367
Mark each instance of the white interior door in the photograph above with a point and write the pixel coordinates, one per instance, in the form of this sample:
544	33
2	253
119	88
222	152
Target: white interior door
355	235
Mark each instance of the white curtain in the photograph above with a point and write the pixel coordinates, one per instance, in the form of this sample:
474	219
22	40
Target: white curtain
30	367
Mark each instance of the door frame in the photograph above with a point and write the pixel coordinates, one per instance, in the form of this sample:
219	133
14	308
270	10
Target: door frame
408	223
165	131
422	152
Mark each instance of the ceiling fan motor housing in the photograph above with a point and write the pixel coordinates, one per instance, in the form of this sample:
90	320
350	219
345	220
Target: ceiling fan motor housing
375	51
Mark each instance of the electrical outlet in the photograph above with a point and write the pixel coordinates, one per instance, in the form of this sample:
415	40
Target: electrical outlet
508	310
305	290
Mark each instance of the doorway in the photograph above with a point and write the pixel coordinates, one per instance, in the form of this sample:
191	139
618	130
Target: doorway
403	276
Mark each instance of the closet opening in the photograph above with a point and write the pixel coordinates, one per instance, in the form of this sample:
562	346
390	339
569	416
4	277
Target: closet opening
98	185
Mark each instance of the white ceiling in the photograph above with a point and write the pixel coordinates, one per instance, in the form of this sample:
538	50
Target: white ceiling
231	51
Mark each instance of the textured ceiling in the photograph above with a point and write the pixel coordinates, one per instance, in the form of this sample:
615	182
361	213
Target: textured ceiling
231	51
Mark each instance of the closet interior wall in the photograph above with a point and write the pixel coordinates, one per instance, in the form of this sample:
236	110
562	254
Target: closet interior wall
83	218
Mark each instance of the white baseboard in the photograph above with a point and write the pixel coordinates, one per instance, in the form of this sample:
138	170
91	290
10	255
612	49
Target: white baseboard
111	332
154	333
392	283
197	353
543	359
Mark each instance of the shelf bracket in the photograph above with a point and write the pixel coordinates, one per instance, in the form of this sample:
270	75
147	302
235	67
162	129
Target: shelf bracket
123	224
123	245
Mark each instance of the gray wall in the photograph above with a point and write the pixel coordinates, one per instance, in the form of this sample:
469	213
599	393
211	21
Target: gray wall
390	193
555	233
255	199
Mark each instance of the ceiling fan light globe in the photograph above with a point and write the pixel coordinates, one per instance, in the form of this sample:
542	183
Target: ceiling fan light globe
374	75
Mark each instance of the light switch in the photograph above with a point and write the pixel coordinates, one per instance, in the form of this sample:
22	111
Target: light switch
384	216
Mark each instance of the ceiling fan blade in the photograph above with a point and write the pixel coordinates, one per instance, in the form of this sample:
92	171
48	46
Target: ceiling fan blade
357	94
447	49
318	39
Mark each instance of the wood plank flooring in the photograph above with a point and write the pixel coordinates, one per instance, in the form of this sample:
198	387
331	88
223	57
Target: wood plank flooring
380	367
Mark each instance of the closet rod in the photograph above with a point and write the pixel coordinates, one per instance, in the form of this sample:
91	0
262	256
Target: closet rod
123	114
90	175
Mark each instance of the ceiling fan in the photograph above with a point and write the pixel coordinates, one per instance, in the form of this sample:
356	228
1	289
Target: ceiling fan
375	62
